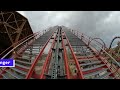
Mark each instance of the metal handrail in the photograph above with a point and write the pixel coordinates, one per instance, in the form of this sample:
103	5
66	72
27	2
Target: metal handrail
19	45
104	51
18	42
113	60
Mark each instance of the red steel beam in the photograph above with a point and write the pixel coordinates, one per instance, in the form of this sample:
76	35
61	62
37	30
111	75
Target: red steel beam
75	59
93	70
65	59
47	60
47	68
21	68
82	58
29	74
107	64
86	57
2	71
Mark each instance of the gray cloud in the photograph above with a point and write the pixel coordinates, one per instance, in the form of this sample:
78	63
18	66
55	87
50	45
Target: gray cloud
103	24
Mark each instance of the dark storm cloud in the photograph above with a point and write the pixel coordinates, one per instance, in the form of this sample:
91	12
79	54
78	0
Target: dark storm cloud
103	24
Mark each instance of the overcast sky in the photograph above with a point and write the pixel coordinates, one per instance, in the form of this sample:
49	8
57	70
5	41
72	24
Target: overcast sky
103	24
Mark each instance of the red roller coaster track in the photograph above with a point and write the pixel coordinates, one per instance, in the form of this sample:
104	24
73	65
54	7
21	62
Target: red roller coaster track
60	54
56	53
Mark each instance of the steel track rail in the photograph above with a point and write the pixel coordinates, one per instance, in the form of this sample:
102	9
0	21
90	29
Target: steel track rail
29	74
75	59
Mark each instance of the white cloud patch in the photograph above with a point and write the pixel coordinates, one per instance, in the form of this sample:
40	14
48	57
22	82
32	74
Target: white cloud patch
22	12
